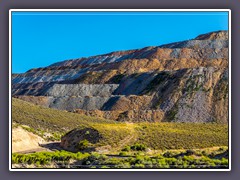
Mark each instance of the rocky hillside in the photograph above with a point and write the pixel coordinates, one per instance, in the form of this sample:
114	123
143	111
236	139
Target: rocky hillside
181	82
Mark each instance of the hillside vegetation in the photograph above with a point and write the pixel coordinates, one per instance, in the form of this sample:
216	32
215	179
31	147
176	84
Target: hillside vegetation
181	159
47	119
117	135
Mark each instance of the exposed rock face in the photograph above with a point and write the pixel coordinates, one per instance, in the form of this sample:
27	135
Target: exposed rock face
124	103
182	82
82	90
67	103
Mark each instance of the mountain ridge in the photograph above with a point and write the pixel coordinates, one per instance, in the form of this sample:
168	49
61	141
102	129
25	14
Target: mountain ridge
185	81
223	36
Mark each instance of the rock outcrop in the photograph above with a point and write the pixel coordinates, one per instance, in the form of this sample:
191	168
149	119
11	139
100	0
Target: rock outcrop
71	141
81	90
181	82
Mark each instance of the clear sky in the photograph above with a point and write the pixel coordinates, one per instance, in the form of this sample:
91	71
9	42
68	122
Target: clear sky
42	38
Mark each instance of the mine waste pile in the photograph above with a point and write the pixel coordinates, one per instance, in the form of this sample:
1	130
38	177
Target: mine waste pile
179	82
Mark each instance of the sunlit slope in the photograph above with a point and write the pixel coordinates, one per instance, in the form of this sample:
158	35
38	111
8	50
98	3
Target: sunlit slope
118	135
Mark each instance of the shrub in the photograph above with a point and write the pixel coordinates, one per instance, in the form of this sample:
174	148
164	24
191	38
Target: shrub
189	152
104	167
224	161
139	166
168	154
83	144
95	160
139	147
204	153
126	148
122	154
221	149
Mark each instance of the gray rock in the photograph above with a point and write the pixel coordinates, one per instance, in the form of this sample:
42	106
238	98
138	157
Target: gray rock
81	90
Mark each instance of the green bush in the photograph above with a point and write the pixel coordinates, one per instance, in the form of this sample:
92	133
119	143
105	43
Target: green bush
122	154
204	153
138	147
43	158
84	144
135	147
139	166
126	148
86	160
168	154
189	152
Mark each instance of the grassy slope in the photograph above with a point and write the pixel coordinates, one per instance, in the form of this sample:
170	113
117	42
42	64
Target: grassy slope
118	135
49	119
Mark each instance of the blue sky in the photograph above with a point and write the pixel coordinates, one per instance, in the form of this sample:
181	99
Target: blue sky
42	38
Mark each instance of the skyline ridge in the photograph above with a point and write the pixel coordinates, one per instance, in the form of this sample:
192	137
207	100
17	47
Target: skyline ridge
125	51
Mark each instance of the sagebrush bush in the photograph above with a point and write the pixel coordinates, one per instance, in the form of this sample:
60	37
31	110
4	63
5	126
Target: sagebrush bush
84	144
138	147
95	160
126	148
